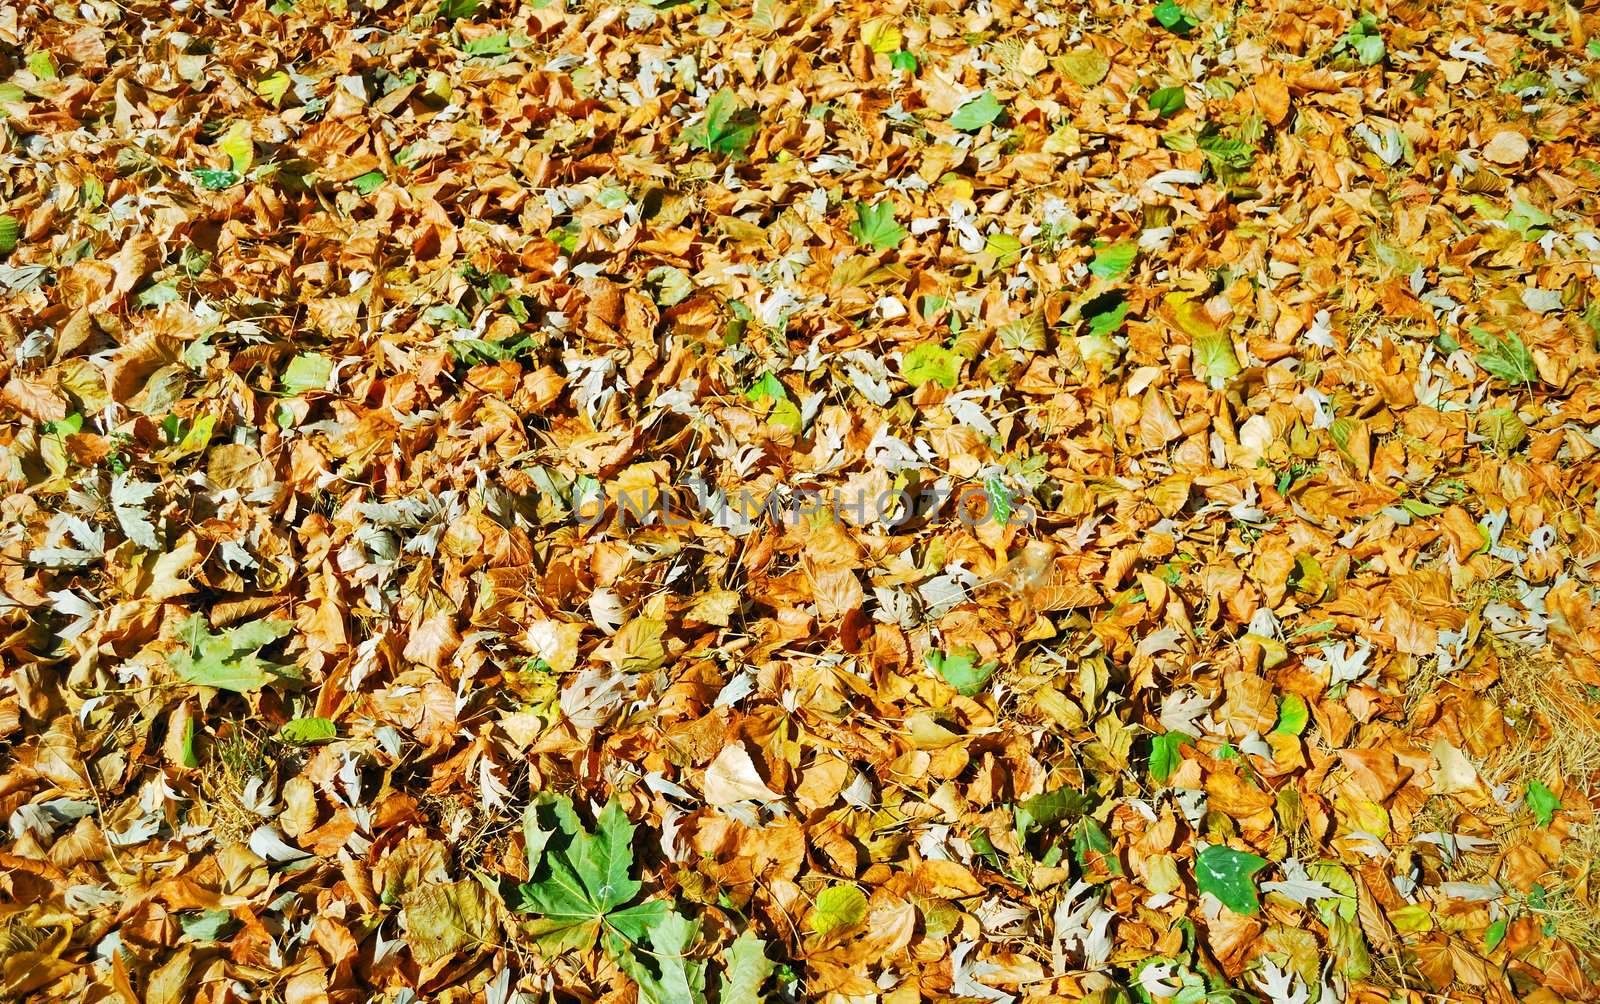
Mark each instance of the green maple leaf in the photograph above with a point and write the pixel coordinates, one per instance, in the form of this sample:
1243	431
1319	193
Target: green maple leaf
875	226
580	880
728	127
230	660
1543	802
1225	873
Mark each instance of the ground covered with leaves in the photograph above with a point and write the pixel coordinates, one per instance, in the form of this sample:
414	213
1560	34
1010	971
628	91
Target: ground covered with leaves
981	501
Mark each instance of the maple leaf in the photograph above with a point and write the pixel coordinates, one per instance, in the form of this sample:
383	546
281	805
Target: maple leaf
231	660
728	128
875	226
580	880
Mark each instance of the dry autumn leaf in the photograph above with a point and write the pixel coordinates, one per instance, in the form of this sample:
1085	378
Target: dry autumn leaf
696	502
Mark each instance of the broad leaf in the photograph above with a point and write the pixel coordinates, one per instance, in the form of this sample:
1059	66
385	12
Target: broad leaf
307	372
961	670
838	906
303	731
745	969
230	660
977	113
1165	754
875	226
1113	260
930	361
728	127
1505	356
1050	808
1292	716
1543	802
1167	100
1174	18
1225	873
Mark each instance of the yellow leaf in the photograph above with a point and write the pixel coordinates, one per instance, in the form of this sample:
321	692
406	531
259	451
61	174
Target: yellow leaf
881	35
237	145
274	86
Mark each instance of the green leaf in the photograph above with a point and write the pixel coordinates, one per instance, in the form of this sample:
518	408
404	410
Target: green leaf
728	127
666	974
497	44
1106	313
904	62
672	284
632	922
1165	755
207	925
1336	877
961	670
1214	358
1543	802
10	233
1168	100
746	969
1496	932
1114	260
1505	356
454	10
1369	49
229	661
1090	843
1174	18
602	860
838	906
307	372
875	226
304	731
578	879
1050	808
368	183
977	113
1292	716
1225	873
768	388
162	292
41	65
215	181
1227	154
930	361
187	755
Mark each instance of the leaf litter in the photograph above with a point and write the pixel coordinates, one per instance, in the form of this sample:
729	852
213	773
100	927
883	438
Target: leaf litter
779	501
